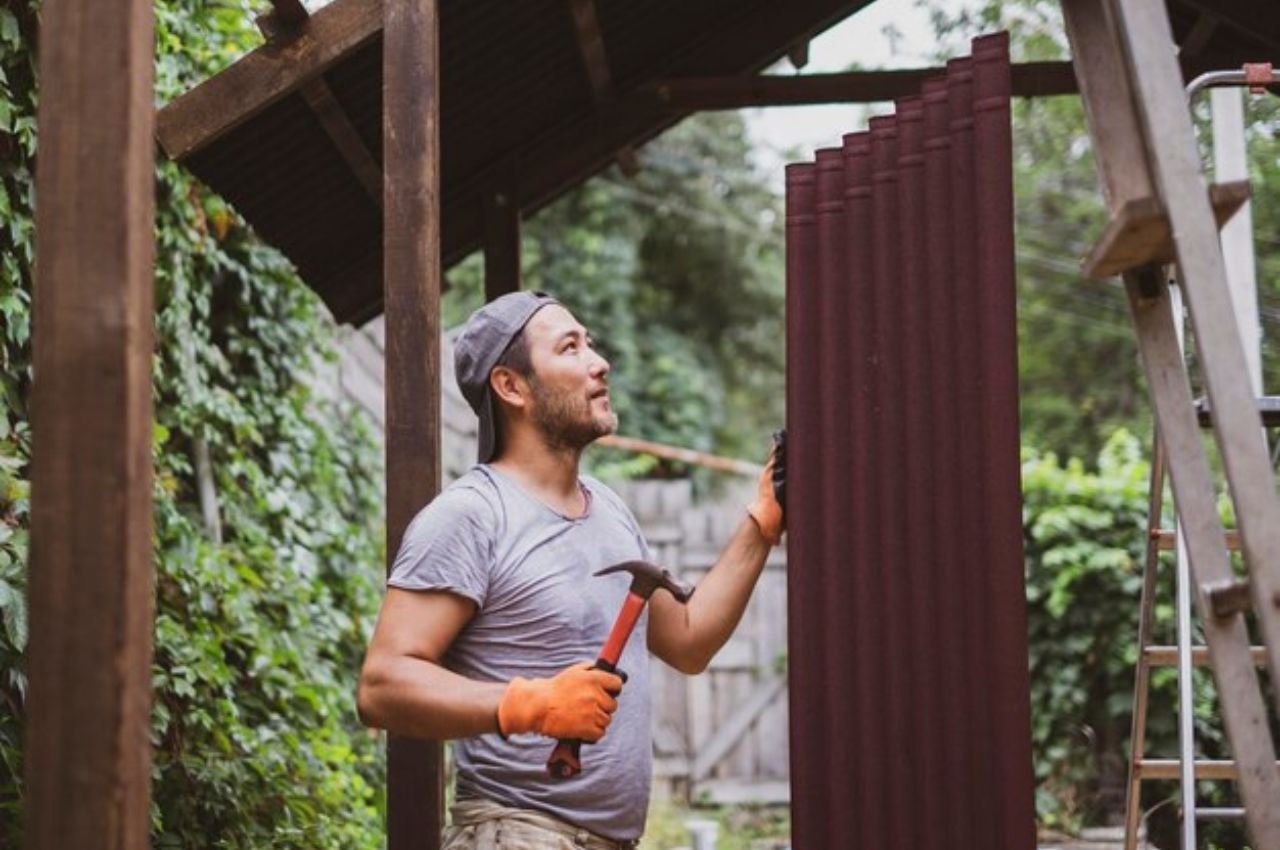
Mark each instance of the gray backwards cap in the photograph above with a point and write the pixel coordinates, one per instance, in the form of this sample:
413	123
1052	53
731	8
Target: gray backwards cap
483	341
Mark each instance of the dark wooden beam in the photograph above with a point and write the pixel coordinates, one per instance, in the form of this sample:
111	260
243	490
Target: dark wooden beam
338	127
227	100
1256	20
501	243
88	751
1030	79
1033	79
798	56
284	19
1198	37
411	293
289	12
586	24
284	23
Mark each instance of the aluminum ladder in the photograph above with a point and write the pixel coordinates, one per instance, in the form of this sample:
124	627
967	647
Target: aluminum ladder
1161	211
1183	655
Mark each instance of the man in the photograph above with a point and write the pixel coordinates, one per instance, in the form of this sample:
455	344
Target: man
493	615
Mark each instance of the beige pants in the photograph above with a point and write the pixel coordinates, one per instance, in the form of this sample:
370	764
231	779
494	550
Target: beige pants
486	825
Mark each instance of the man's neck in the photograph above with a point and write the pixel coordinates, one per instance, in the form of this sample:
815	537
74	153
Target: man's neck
550	474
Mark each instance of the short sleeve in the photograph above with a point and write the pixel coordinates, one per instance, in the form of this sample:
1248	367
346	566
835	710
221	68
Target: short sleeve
449	546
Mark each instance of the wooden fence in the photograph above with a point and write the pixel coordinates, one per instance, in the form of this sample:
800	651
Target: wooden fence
718	737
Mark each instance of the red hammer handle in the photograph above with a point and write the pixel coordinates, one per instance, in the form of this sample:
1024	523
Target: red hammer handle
565	762
622	627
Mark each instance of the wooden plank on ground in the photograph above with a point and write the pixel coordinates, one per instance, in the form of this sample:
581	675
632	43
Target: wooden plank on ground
411	294
88	757
224	102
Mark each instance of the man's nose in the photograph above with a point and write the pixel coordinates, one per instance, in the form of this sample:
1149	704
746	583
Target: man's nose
599	366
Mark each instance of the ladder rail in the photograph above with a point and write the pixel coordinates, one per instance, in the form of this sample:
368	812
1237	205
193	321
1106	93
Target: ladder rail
1185	655
1175	162
1186	686
1146	625
1244	712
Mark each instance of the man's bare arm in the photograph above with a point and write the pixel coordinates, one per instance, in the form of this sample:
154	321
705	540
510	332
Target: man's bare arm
688	636
403	686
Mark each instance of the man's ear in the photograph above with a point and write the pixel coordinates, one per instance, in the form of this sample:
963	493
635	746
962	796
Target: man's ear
509	387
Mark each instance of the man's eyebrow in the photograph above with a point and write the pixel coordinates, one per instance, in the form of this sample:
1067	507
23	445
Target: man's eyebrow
575	332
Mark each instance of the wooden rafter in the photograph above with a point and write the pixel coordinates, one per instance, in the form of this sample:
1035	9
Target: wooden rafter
264	76
1200	33
1254	19
501	244
338	127
586	24
284	22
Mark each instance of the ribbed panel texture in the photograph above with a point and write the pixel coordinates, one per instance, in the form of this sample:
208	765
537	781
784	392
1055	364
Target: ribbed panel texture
910	722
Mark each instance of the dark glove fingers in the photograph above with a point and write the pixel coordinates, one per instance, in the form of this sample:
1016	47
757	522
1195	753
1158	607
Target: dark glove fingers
780	468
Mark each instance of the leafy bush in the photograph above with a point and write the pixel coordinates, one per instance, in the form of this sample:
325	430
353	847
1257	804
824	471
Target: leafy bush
1085	534
260	624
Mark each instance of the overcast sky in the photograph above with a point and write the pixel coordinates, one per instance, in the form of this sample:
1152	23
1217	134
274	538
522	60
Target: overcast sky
861	38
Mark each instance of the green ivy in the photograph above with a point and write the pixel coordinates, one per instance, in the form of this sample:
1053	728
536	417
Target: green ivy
258	636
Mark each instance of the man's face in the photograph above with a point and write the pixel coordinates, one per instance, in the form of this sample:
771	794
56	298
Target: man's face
570	381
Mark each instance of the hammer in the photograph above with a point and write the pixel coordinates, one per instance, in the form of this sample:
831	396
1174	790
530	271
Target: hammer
645	579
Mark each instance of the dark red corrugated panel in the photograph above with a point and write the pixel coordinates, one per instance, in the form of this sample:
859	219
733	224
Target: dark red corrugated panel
804	506
832	568
908	653
862	676
998	315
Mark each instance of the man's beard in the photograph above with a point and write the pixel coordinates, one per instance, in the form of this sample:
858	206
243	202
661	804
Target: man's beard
566	419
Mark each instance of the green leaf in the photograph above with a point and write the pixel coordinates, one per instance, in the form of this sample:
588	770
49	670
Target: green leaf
9	32
15	620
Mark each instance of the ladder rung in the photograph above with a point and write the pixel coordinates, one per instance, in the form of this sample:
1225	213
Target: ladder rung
1220	813
1168	539
1204	769
1167	656
1139	233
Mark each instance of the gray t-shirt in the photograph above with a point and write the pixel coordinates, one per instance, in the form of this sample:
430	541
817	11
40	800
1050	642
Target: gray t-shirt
540	609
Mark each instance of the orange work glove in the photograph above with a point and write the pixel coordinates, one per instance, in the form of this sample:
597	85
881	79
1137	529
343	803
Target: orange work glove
768	509
575	703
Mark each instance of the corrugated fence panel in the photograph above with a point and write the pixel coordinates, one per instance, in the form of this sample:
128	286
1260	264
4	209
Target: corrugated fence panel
834	562
804	506
910	722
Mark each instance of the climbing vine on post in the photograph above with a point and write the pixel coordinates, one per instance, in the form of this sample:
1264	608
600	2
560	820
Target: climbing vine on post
258	636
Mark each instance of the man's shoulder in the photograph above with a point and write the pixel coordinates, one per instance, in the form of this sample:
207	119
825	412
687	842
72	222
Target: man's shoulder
472	498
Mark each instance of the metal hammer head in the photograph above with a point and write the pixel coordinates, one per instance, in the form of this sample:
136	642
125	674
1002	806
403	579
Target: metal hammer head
647	577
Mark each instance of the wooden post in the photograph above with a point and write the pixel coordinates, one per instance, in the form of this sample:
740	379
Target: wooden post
411	292
88	760
501	244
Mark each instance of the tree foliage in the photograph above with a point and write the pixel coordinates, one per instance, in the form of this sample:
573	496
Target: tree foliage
258	636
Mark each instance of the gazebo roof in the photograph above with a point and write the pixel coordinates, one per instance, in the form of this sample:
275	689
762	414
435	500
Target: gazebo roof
536	97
